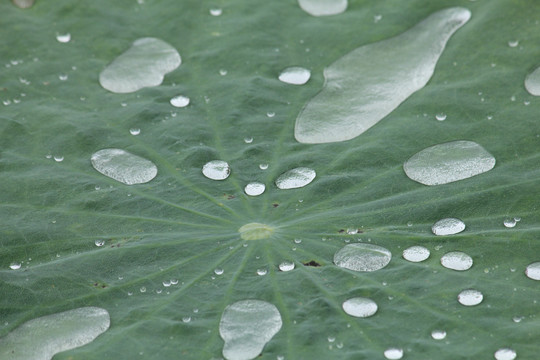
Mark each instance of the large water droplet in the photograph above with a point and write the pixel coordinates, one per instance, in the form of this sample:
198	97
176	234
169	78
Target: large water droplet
367	84
448	226
362	257
323	7
393	353
416	253
438	334
216	170
295	75
360	307
533	271
42	338
144	64
448	162
254	189
457	260
180	101
295	178
123	166
505	354
532	82
246	326
255	231
470	297
286	266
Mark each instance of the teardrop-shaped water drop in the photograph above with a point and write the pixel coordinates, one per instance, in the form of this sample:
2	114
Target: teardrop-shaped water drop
216	170
295	178
448	162
416	254
457	260
470	297
286	266
323	7
246	326
124	166
144	64
362	257
438	334
360	307
533	271
366	85
393	353
505	354
254	189
295	75
448	226
180	101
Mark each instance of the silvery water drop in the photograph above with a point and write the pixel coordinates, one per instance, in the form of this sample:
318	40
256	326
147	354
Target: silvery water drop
416	254
295	75
440	116
438	334
218	271
393	353
533	271
505	354
470	297
457	260
124	166
448	226
63	38
248	139
216	170
263	166
216	12
513	43
323	7
362	257
134	131
295	178
262	272
360	307
180	101
58	158
15	265
254	189
509	223
286	266
270	114
99	242
142	289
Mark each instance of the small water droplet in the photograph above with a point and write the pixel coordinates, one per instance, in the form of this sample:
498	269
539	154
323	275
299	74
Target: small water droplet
295	75
297	241
142	289
63	77
216	170
248	140
135	131
63	38
505	354
362	257
270	114
509	223
393	353
286	266
216	12
457	260
440	116
295	178
15	266
58	158
123	104
377	18
186	319
262	272
263	166
99	242
223	72
6	102
166	283
360	307
174	281
129	293
470	297
517	319
438	334
416	253
513	43
254	189
448	226
219	271
180	101
352	231
533	271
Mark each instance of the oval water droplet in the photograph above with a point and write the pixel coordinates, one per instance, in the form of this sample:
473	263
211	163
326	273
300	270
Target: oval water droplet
248	139
533	271
440	116
219	271
362	257
124	166
58	158
448	162
180	101
99	242
216	12
509	223
286	266
263	166
448	226
457	260
360	307
295	75
246	327
262	272
15	265
416	254
254	189
63	38
255	231
513	43
134	131
295	178
393	353
323	7
438	334
270	114
505	354
470	297
216	170
144	64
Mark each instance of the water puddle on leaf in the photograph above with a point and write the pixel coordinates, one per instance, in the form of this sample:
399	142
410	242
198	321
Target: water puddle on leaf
295	75
364	86
144	64
295	178
470	297
216	170
362	257
416	254
448	162
448	226
124	166
42	338
457	260
533	271
246	326
505	354
360	307
323	7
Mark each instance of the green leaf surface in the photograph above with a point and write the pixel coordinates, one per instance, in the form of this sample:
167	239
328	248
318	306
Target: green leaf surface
182	225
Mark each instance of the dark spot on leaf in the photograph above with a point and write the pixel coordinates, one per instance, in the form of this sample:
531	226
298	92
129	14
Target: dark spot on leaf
341	231
360	231
312	263
275	205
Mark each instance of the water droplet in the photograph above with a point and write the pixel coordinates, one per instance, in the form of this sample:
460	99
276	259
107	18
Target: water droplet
254	189
533	271
352	231
99	242
470	297
263	166
248	140
295	178
366	85
416	253
166	283
23	4
135	131
393	353
323	7
216	170
63	77
15	266
63	38
186	319
144	64
440	116
377	18
513	43
270	114
142	289
216	12
180	101
6	102
295	75
362	257
286	266
123	166
438	334
505	354
58	158
517	319
262	272
246	326
297	241
360	307
43	337
255	231
222	72
456	260
509	223
448	162
174	281
448	226
219	271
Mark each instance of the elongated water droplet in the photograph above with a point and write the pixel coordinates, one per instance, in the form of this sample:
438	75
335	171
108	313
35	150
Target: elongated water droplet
448	226
286	266
448	162
416	254
295	75
470	297
393	353
254	189
124	166
457	260
438	334
323	7
505	354
255	231
144	64
216	170
246	327
180	101
295	178
362	257
360	307
533	271
15	265
367	84
42	338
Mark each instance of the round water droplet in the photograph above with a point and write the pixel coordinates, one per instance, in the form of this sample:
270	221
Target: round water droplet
222	72
393	353
180	101
362	257
286	266
216	170
174	281
440	116
448	226
262	272
509	223
533	271
186	319
216	12
456	260
254	189
295	178
438	334
270	114
15	265
123	166
63	38
135	131
99	242
142	289
166	283
470	297
248	140
295	75
360	307
58	158
513	43
505	354
219	271
263	166
63	77
297	241
416	254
